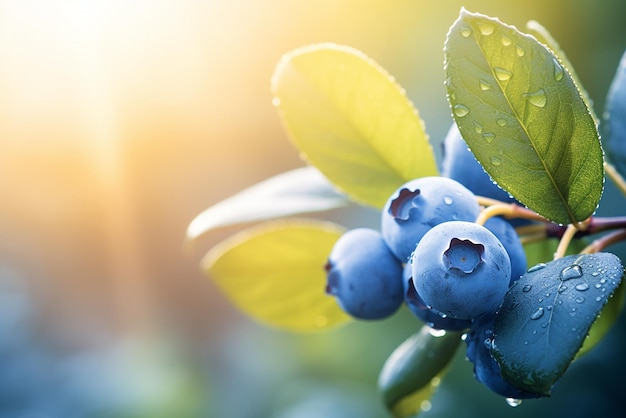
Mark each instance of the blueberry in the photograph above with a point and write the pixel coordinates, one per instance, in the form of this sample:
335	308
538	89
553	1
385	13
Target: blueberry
460	164
461	269
364	276
486	368
431	317
505	232
420	204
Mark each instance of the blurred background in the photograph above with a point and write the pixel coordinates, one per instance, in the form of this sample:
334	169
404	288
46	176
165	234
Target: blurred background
120	121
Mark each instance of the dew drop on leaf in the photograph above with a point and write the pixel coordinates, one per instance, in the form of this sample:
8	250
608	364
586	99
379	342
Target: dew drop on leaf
502	74
461	110
520	51
465	31
537	267
447	200
486	28
513	402
580	299
478	127
571	272
484	85
506	41
489	137
581	287
527	288
495	160
501	122
537	314
558	71
537	98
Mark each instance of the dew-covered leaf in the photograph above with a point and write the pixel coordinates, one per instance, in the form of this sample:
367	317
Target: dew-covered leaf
294	192
614	119
541	33
274	272
412	373
547	314
522	116
351	120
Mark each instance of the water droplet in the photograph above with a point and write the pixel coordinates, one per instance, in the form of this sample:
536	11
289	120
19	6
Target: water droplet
486	28
426	405
520	51
437	332
580	299
447	200
513	402
465	31
506	41
598	298
562	288
489	137
484	85
537	98
597	285
495	160
502	74
478	127
501	122
595	274
558	71
536	267
537	314
582	287
276	101
461	110
527	288
571	272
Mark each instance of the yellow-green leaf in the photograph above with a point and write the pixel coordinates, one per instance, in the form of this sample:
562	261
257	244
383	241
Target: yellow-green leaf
352	121
274	272
523	117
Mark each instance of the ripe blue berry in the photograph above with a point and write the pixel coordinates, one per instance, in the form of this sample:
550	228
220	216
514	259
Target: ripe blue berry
364	275
460	164
420	204
461	269
505	232
486	368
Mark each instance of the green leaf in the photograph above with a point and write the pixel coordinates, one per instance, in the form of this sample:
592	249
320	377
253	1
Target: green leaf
351	120
291	193
547	314
274	272
541	33
412	373
522	116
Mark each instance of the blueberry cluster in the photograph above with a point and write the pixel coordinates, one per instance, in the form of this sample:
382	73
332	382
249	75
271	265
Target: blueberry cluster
430	255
